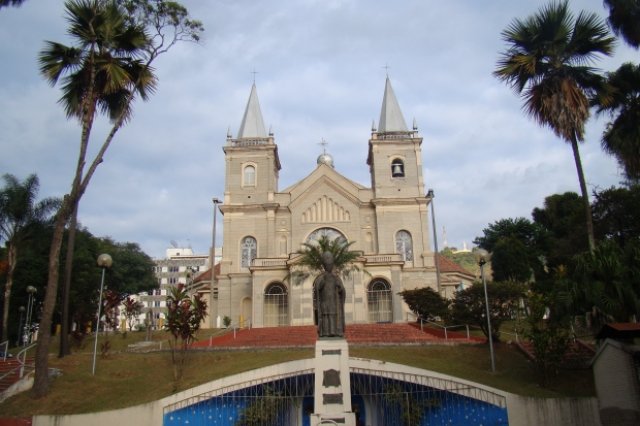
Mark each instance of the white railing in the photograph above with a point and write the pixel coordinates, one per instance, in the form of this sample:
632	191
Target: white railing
233	327
435	324
266	262
449	327
383	258
21	357
250	142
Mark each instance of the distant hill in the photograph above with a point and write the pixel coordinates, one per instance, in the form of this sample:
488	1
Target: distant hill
462	258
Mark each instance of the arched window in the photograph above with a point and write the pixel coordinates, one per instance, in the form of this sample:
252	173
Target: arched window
379	301
276	305
404	245
331	233
397	168
249	175
249	251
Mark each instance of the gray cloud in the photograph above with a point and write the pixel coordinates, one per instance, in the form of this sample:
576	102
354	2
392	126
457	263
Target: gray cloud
319	75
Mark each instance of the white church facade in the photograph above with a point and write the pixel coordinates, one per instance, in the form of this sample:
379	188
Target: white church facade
264	226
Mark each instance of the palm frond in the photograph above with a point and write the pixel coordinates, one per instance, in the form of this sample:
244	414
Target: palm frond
309	259
103	71
57	59
546	63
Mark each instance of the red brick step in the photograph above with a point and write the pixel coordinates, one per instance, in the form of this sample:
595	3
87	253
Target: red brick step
356	334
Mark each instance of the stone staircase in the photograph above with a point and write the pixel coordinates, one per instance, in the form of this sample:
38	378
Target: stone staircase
578	354
9	373
12	421
356	334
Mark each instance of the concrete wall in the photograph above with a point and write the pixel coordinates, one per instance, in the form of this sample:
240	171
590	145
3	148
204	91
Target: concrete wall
140	415
522	411
617	384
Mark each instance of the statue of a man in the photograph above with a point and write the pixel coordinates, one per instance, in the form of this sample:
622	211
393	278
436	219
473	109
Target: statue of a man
330	304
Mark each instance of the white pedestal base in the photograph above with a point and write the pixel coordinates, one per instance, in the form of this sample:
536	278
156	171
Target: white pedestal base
332	399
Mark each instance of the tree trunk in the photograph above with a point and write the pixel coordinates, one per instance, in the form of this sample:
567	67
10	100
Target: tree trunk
69	205
41	381
66	289
585	196
12	257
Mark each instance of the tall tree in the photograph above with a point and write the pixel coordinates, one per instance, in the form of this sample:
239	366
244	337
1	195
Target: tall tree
620	98
108	67
132	272
468	305
517	245
607	283
65	348
624	19
562	218
616	212
19	212
101	75
4	3
520	228
511	260
546	63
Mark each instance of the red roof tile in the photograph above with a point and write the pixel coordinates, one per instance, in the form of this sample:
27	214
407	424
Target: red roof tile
619	330
206	275
447	265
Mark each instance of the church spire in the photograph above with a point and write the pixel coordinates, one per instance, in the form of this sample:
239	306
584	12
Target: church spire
252	125
391	119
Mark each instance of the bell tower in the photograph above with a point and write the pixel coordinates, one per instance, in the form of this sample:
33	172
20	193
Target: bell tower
252	162
395	164
395	156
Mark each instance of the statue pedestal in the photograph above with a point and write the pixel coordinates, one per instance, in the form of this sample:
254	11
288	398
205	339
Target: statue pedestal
332	399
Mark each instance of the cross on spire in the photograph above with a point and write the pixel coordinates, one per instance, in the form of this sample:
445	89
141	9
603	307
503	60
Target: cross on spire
324	144
254	72
386	69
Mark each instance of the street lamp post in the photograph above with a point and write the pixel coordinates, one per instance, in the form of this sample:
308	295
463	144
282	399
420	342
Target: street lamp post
431	196
21	309
214	282
27	334
104	262
482	256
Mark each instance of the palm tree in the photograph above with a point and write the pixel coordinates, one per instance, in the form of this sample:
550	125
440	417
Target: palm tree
546	63
102	73
310	257
19	211
620	97
309	261
110	64
624	19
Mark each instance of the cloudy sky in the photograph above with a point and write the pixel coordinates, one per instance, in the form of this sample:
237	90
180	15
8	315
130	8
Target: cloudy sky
320	75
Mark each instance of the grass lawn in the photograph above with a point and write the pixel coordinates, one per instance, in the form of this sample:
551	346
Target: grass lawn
124	379
514	373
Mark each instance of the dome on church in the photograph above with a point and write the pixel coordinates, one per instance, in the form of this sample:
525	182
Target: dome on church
325	159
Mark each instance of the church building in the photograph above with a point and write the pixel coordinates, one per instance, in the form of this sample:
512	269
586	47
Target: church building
264	226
